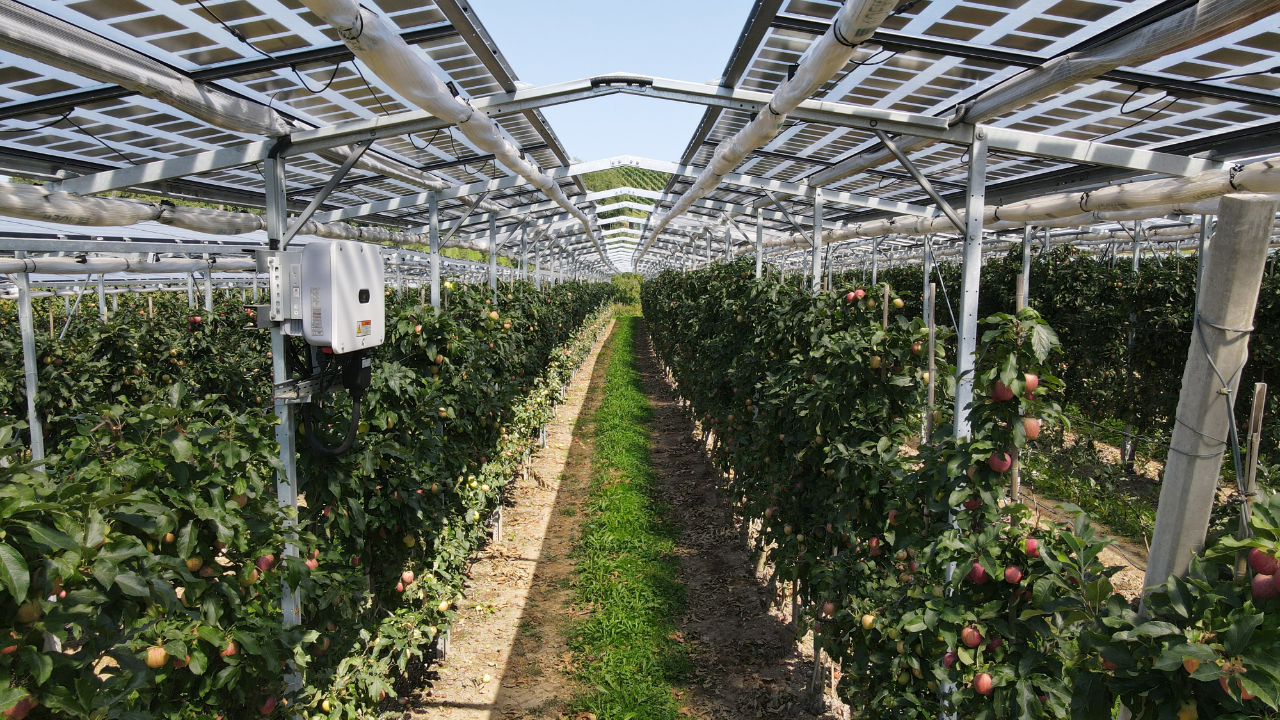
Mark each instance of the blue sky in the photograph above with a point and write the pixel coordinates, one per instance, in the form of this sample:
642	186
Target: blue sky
548	41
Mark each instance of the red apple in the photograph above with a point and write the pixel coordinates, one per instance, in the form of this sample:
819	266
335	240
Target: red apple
1032	547
264	562
949	660
859	294
875	546
1030	382
230	650
399	587
999	461
268	705
355	561
1032	427
1263	562
972	503
20	710
970	471
1263	587
1013	574
983	684
406	577
978	575
156	657
1108	665
994	643
828	608
893	517
970	636
312	563
1001	392
850	297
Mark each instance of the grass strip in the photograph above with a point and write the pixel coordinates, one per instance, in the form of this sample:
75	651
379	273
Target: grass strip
627	649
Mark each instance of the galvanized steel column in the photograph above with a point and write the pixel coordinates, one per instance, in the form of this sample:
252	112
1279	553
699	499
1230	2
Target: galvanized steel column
972	276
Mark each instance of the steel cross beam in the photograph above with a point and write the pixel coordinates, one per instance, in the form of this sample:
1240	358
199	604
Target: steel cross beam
347	164
920	178
832	113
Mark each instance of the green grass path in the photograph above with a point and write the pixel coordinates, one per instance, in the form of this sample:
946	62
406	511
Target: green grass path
626	572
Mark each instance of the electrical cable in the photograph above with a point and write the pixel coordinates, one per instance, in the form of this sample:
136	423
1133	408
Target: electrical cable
39	127
336	68
352	428
370	88
1139	121
100	141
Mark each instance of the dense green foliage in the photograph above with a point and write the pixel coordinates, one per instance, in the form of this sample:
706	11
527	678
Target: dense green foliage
1124	336
626	571
150	542
815	404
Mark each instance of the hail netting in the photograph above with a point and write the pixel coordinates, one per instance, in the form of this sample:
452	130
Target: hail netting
36	202
378	44
1127	201
1209	19
857	20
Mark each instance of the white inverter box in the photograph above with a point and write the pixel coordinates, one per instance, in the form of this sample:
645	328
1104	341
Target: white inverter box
343	301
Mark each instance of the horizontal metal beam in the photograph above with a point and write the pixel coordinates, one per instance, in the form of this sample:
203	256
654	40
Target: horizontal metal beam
307	141
839	114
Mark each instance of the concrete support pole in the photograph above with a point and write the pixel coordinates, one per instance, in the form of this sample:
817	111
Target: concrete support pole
433	236
30	369
759	244
816	269
972	275
1218	350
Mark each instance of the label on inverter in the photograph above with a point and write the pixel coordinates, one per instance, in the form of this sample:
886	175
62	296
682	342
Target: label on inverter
317	318
364	328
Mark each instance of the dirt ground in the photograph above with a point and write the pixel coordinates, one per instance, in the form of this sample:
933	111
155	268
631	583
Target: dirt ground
749	663
507	655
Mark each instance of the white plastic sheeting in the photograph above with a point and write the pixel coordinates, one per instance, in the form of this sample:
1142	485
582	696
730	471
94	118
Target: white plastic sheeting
42	37
377	42
1206	20
31	33
1127	201
36	202
96	265
857	21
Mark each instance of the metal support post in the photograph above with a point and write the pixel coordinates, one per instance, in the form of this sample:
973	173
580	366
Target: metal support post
759	244
287	479
191	290
1025	286
208	286
27	326
102	297
816	269
875	261
972	276
1204	431
433	235
708	234
524	254
493	255
930	298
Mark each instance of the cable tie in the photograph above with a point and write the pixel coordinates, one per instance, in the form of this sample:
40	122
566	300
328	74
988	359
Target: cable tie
840	38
